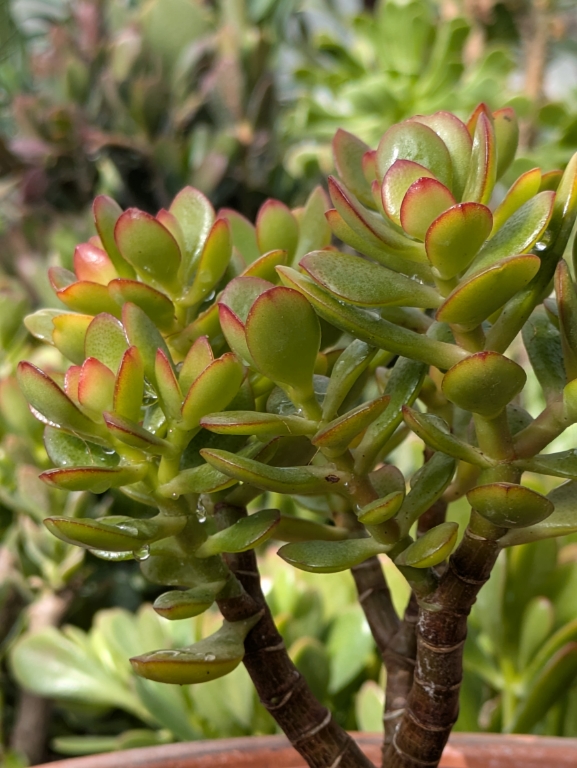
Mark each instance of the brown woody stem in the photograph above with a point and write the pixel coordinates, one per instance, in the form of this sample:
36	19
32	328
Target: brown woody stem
376	602
433	704
309	726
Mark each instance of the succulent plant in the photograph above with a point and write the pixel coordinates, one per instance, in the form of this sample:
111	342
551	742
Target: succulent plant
315	382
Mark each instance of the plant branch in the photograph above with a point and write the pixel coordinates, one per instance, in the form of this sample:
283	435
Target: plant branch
309	726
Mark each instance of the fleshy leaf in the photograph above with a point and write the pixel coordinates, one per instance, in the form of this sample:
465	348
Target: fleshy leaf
131	433
243	234
336	436
143	334
168	388
106	213
234	306
347	369
314	231
88	298
129	387
67	450
114	534
197	360
291	480
149	247
212	391
474	300
567	315
213	262
562	522
456	236
419	143
561	464
381	510
105	340
246	533
543	344
155	304
348	152
330	556
425	201
265	266
458	141
93	264
483	165
436	434
519	233
95	387
276	227
283	337
400	176
69	334
195	215
263	425
432	548
298	529
360	282
506	137
484	383
427	485
48	400
187	603
508	505
95	479
522	190
206	660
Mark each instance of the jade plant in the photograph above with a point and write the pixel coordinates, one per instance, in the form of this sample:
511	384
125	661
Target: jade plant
250	383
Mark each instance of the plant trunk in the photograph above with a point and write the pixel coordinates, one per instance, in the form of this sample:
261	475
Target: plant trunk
433	704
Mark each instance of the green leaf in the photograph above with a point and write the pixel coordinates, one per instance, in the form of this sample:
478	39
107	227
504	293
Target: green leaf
360	282
50	402
69	335
243	234
567	315
95	479
129	386
427	485
314	231
506	137
283	336
113	534
426	200
348	153
168	388
538	622
131	433
40	324
369	327
476	299
336	436
403	387
276	227
483	165
554	679
381	510
508	505
212	391
265	266
371	227
234	306
458	141
291	480
67	450
311	658
262	425
298	529
349	366
247	533
143	334
213	262
197	360
519	233
106	213
155	304
350	646
330	556
437	434
195	215
432	548
543	344
206	660
561	522
484	383
521	191
455	237
188	603
88	298
562	464
419	143
149	247
396	182
95	387
105	340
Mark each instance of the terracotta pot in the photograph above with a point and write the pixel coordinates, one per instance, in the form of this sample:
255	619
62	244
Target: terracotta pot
464	751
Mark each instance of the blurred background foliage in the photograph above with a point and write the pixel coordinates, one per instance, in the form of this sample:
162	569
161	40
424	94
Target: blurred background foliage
239	98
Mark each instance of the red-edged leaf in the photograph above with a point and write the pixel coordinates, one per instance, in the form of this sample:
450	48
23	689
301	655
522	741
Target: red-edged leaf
131	433
199	357
426	199
69	334
88	298
129	386
456	236
106	213
95	387
276	228
483	167
213	262
95	479
155	304
167	385
105	340
93	264
396	182
212	391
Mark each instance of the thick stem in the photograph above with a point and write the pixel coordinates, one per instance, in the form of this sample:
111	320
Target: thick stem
309	726
433	704
376	602
400	664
